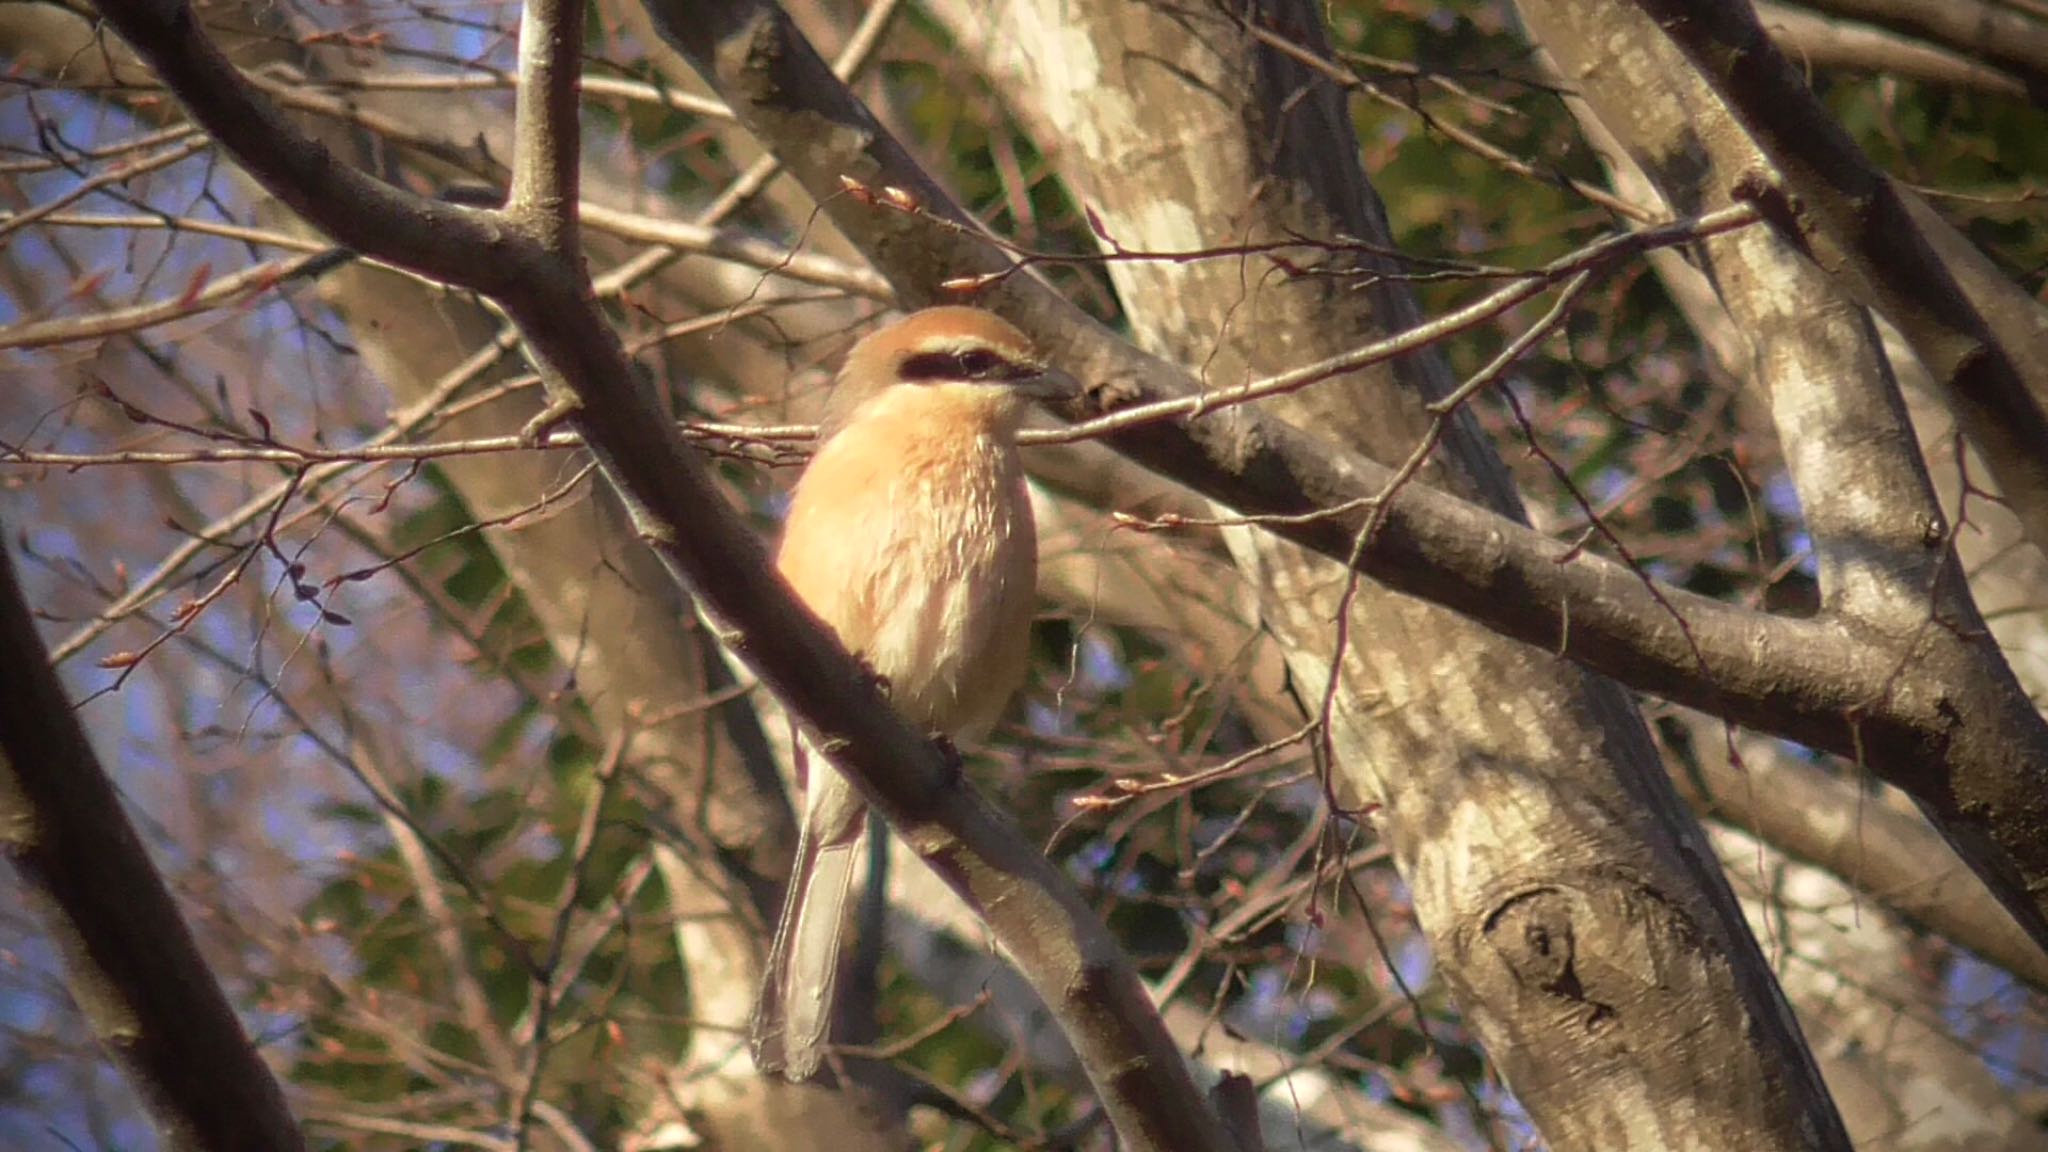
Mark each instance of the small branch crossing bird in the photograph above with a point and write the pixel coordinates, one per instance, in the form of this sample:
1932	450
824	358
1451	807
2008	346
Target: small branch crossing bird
910	535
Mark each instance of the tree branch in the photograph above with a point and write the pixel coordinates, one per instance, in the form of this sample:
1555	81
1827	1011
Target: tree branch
1977	29
1828	197
1983	775
1824	819
1826	42
1034	911
1887	705
436	239
131	962
546	135
1889	853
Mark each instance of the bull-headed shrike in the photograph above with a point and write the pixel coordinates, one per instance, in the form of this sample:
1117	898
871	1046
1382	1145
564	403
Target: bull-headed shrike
910	535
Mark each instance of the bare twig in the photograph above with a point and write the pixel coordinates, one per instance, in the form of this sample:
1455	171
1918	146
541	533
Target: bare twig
196	298
1816	681
677	509
146	991
1834	202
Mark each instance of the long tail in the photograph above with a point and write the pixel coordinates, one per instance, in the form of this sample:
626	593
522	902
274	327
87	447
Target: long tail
795	1010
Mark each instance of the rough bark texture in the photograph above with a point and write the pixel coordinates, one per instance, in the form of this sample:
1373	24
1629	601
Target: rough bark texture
1984	782
1250	305
1816	681
1556	873
1819	189
1891	855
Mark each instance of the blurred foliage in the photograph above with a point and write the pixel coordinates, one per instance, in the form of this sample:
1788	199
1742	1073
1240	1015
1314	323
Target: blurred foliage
505	844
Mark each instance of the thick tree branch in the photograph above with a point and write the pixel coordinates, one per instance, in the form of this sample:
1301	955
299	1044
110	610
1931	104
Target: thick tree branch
130	961
1034	911
1812	681
1444	549
1224	127
1984	781
1982	29
1834	202
546	134
1888	853
1806	680
1823	819
1821	682
1819	41
441	241
1463	753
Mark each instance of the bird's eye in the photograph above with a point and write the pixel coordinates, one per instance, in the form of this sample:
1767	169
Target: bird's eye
978	363
967	364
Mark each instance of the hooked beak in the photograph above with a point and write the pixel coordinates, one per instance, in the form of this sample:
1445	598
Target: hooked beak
1048	384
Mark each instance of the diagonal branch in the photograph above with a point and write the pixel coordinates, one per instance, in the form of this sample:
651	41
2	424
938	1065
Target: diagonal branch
438	240
1983	776
132	964
1821	41
1888	704
1976	29
1034	910
1815	681
1827	196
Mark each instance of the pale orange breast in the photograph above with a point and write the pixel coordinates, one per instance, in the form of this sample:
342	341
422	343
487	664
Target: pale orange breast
911	535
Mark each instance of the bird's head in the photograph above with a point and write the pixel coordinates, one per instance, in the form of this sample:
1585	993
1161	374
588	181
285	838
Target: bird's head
970	356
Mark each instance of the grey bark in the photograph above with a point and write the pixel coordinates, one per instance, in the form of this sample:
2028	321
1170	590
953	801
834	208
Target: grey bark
1818	188
1471	744
1983	785
1822	41
1892	856
1817	681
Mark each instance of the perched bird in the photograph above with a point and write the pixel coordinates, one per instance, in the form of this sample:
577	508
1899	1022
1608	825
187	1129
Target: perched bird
910	535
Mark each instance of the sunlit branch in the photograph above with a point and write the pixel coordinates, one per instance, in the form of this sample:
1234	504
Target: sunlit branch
186	145
680	513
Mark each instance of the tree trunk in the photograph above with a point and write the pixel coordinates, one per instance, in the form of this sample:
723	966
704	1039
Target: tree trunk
1571	899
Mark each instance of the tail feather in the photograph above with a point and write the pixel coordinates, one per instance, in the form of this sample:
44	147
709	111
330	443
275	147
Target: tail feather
804	973
795	1011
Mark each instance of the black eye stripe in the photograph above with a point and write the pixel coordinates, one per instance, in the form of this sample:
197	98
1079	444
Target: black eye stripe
930	366
972	364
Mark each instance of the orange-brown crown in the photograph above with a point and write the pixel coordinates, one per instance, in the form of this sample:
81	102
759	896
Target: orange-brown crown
949	344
